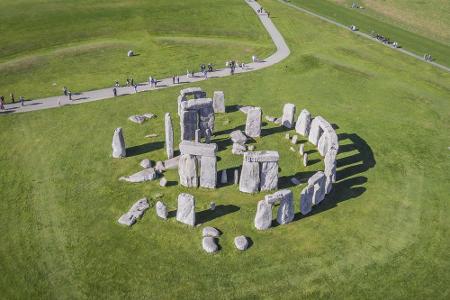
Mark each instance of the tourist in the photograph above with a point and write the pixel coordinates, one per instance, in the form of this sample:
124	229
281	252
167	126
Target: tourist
2	107
155	81
132	81
69	93
128	82
173	79
206	74
115	91
65	91
135	88
12	98
150	80
178	79
22	101
117	83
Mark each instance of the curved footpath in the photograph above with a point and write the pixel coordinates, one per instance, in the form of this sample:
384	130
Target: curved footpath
362	34
78	98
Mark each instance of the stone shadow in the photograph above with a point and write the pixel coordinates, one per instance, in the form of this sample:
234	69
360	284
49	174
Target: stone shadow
231	108
220	211
228	131
273	130
285	182
144	148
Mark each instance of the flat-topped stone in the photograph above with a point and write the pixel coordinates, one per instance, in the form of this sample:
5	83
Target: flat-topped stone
191	91
210	231
193	148
209	244
135	212
261	156
241	243
196	104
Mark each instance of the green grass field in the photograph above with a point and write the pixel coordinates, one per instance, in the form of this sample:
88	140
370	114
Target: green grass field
367	20
83	44
382	232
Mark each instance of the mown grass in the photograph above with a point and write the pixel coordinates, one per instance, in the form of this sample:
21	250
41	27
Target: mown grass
366	22
83	44
382	233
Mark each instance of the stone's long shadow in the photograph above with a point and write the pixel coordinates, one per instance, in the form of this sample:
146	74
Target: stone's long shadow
273	130
228	131
231	108
144	148
220	211
222	144
284	182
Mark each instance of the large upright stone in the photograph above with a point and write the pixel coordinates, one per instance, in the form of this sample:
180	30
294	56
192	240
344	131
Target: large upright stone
315	131
224	177
161	210
208	172
306	199
253	124
118	144
303	123
186	209
249	181
318	182
330	169
188	124
263	217
219	102
269	175
169	135
187	169
286	209
287	120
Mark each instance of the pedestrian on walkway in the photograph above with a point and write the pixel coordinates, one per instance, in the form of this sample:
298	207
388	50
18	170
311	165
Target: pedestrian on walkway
65	91
2	107
150	81
178	79
155	81
22	101
12	98
173	79
117	84
115	91
135	88
132	81
128	81
70	95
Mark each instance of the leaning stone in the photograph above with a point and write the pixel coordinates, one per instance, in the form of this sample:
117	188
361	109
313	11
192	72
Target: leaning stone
209	244
208	172
163	182
224	177
168	128
249	181
294	139
303	123
285	213
186	209
288	115
301	149
172	163
187	169
241	243
159	167
318	182
306	200
305	159
210	231
118	144
263	218
239	137
238	149
141	176
145	163
135	212
161	210
219	102
253	124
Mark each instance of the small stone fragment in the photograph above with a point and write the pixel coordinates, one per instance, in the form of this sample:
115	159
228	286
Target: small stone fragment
238	149
241	242
294	139
145	163
210	231
301	149
239	137
151	135
209	244
163	182
161	210
159	167
287	136
305	159
251	147
292	149
212	206
270	118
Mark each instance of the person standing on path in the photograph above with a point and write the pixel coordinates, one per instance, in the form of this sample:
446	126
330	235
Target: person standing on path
115	91
132	81
12	98
2	107
69	93
178	79
135	88
173	79
65	91
22	101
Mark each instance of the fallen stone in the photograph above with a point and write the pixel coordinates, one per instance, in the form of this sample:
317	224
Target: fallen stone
151	135
210	231
159	167
141	176
241	243
263	218
238	149
239	137
161	210
163	182
139	119
209	244
135	212
287	120
118	144
270	118
145	163
186	209
245	109
171	163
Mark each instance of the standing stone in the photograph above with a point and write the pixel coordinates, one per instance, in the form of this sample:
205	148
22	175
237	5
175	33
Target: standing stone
238	149
306	200
186	209
305	159
315	131
236	176
287	136
161	210
303	123
189	123
219	102
224	177
318	182
163	182
286	209
169	135
253	124
209	244
118	144
208	172
208	136
241	243
187	169
249	182
294	139
330	164
301	149
197	136
212	206
263	218
287	120
269	175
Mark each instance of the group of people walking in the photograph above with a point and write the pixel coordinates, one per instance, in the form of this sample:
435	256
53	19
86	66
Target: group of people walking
13	100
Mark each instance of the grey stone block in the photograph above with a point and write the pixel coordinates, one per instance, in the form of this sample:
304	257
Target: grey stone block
118	144
186	209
